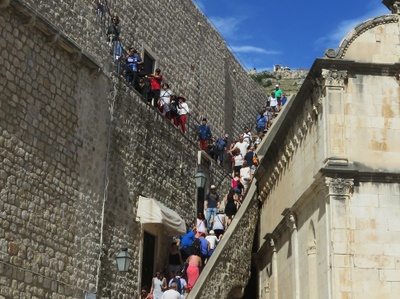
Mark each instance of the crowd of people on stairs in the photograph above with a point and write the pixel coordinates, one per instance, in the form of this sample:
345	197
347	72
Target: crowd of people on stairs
189	253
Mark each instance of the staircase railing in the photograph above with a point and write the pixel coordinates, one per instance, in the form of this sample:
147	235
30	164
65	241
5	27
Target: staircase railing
228	269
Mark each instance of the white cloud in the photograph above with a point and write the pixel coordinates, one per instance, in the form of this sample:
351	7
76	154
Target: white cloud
227	27
252	49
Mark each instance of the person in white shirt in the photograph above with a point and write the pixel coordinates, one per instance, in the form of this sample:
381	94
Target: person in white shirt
219	224
273	102
213	240
247	136
165	100
172	293
183	111
241	145
173	282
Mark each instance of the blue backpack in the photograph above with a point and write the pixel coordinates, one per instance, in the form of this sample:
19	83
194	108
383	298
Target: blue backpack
178	284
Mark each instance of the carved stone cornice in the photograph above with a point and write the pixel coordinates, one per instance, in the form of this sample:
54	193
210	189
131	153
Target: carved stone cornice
360	29
392	5
334	77
396	7
272	245
339	187
290	219
291	142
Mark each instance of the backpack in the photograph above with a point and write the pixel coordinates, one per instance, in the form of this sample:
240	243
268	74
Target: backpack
173	106
256	161
220	144
178	284
196	246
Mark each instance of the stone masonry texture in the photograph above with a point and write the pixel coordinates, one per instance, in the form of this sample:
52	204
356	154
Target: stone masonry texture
78	146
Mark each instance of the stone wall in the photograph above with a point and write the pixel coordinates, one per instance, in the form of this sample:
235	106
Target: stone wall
192	55
329	179
78	146
365	247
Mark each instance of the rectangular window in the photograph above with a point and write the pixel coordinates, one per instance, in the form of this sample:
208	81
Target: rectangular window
148	63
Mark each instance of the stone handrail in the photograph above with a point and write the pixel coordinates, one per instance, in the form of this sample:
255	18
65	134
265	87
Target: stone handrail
228	270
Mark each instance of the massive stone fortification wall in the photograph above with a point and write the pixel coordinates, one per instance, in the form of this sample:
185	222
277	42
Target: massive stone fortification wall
192	55
78	146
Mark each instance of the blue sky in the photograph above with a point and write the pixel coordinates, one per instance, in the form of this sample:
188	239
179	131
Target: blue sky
262	33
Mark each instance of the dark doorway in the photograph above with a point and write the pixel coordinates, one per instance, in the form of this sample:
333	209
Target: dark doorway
149	244
148	63
200	200
252	289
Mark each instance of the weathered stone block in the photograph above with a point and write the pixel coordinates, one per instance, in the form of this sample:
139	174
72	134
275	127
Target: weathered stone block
374	262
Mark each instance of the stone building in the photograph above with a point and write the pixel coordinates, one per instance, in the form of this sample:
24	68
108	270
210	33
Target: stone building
329	180
78	146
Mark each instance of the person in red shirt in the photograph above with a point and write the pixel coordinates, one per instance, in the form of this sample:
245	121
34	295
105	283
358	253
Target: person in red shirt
155	87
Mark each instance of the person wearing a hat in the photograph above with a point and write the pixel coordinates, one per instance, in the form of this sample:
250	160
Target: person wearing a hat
204	135
211	205
221	144
213	241
278	95
155	87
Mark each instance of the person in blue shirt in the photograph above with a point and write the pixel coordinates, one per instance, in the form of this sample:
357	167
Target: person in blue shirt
204	135
185	243
205	247
284	99
221	144
261	122
132	61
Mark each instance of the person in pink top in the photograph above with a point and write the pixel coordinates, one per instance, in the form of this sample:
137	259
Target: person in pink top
236	184
195	264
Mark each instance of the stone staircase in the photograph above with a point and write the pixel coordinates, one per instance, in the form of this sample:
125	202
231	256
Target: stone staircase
228	270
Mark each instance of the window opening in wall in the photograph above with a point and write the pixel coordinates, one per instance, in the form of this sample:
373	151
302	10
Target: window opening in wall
148	63
149	245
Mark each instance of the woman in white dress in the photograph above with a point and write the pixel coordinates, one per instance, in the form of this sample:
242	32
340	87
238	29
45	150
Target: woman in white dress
158	285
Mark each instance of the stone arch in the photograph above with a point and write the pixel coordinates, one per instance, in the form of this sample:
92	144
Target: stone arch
356	32
312	262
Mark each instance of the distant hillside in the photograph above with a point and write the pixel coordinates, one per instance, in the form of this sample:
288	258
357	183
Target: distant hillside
288	80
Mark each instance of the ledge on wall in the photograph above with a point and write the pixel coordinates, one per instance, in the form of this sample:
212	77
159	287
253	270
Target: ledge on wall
34	18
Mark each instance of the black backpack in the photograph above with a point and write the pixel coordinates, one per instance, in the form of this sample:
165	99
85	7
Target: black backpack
178	284
196	246
173	106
